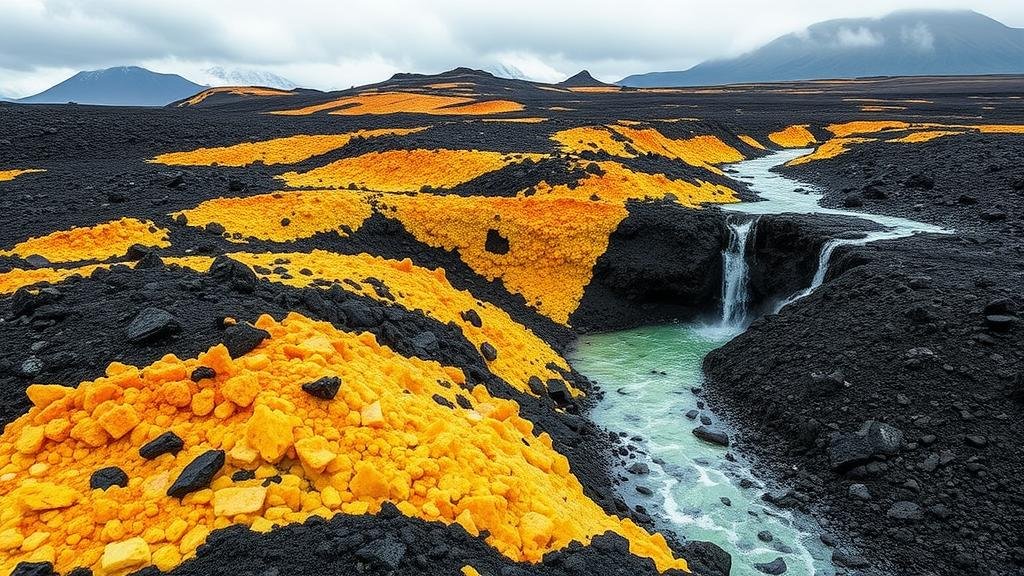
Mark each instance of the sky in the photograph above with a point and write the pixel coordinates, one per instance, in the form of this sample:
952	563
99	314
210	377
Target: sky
334	44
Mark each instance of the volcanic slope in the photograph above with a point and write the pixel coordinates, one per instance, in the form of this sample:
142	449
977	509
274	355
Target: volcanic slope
255	318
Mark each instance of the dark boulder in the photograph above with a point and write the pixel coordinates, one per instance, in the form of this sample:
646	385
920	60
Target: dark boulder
384	554
325	388
489	352
166	443
874	439
33	569
198	474
151	324
906	511
202	373
775	567
106	477
233	273
706	558
243	338
712	435
472	317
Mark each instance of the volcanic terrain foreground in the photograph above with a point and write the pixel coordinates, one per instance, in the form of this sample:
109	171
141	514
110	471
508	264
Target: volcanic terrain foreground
264	330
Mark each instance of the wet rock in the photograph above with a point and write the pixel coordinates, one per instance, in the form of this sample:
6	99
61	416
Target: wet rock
489	352
233	273
775	567
106	477
644	490
472	317
166	443
712	435
692	414
765	536
151	324
325	388
874	439
906	511
197	474
638	468
706	558
849	559
202	373
496	243
387	553
31	367
243	338
725	500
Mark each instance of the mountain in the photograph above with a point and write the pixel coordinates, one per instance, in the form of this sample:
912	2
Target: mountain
508	71
582	79
220	76
120	86
905	43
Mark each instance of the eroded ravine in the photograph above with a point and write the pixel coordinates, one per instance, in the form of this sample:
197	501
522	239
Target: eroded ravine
652	379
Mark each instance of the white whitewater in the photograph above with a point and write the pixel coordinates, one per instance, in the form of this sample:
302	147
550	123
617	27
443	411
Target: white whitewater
735	275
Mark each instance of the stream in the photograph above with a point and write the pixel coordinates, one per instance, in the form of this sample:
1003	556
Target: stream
651	377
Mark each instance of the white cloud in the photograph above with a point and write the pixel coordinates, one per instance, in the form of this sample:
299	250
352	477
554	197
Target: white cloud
919	37
860	37
329	44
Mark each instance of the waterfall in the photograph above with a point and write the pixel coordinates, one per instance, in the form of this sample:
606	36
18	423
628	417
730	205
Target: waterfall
735	275
819	275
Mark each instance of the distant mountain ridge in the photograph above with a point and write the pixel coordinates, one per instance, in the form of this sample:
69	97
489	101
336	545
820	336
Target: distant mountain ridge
905	43
219	75
119	86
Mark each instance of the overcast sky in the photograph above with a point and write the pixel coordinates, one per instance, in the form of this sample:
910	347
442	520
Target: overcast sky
332	44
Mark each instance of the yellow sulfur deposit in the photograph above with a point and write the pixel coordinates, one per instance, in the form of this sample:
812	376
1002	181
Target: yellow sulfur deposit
398	102
6	175
16	278
383	438
795	136
237	91
98	242
521	354
405	170
284	216
593	139
830	149
288	150
699	151
751	141
865	127
924	136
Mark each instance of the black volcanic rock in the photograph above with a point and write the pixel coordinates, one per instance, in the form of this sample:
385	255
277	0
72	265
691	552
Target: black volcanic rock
325	388
166	443
197	474
582	79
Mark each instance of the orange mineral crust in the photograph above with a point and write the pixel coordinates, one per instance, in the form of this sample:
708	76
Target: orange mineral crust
830	149
924	136
288	150
383	437
405	170
6	175
16	278
626	141
237	91
751	141
520	353
99	242
866	127
284	216
399	102
795	136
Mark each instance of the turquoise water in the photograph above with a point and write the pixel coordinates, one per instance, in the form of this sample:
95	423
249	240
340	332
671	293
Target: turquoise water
694	476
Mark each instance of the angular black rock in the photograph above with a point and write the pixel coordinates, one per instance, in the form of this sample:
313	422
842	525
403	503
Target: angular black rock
325	388
775	567
472	317
166	443
232	272
106	477
203	373
712	435
198	474
33	569
150	324
243	338
874	439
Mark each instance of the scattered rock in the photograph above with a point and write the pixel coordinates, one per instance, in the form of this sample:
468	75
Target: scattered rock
712	435
906	511
472	317
638	468
385	554
106	477
765	536
775	567
849	559
232	272
151	324
203	373
325	388
874	439
166	443
644	490
975	440
1000	322
197	474
860	492
489	352
243	338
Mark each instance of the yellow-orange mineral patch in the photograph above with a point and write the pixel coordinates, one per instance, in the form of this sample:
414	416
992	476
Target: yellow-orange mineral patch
521	354
830	149
288	150
751	141
398	102
700	151
16	278
236	90
97	242
795	136
865	127
284	216
382	439
593	139
405	170
924	136
6	175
